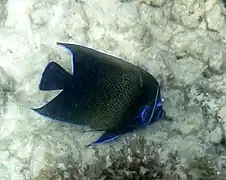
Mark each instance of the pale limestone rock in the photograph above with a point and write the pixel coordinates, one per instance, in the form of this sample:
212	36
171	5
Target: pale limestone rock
183	73
3	11
157	3
215	21
189	13
222	114
216	135
5	81
6	88
216	83
209	4
214	55
222	162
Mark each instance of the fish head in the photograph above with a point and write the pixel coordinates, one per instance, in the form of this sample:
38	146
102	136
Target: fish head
151	111
158	113
154	112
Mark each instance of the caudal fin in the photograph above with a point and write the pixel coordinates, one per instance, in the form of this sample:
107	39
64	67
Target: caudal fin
54	77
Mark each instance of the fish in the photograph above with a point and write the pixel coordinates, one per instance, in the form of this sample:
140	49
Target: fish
102	91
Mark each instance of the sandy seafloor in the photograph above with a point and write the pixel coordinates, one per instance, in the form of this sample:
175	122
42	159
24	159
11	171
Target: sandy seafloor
181	42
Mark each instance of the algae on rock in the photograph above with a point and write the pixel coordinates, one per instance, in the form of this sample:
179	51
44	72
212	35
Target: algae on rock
135	160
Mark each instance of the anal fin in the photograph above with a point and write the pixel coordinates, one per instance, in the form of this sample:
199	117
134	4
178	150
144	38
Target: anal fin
112	134
54	77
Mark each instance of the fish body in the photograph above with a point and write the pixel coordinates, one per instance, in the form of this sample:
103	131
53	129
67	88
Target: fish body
103	91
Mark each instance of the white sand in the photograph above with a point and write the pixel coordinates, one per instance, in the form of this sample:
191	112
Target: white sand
177	41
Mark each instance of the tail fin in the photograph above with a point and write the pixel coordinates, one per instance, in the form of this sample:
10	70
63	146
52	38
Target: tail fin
54	77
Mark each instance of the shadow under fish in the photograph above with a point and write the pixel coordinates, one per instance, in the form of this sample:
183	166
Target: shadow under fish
103	91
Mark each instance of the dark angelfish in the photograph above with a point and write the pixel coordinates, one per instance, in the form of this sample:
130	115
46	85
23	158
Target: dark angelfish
103	91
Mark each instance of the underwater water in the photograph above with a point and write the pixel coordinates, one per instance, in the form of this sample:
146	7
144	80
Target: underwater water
181	43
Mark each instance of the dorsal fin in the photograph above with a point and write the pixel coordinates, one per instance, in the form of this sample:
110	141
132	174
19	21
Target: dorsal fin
78	52
70	49
54	77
